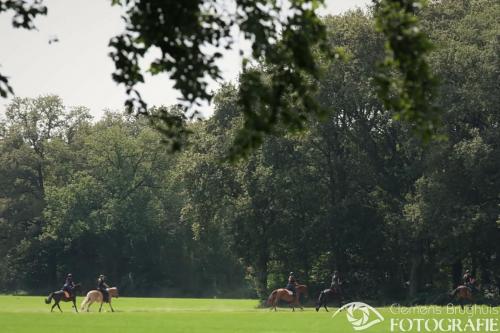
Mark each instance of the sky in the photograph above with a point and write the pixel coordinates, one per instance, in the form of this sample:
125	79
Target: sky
78	69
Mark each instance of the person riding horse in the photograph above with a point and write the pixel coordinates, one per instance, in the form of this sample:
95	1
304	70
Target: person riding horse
292	283
69	285
336	284
102	286
334	292
465	292
469	281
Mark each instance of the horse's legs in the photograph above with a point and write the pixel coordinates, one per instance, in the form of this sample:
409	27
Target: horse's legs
89	303
320	301
74	304
295	302
53	306
471	301
326	298
100	307
111	306
59	307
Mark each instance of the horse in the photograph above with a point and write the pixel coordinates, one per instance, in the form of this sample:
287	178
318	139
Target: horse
97	296
60	295
286	295
463	294
327	295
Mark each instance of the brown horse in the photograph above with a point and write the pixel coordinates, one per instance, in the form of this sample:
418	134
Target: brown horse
286	295
463	294
96	296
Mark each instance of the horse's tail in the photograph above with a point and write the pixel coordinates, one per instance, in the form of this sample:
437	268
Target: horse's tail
321	297
85	301
49	298
271	297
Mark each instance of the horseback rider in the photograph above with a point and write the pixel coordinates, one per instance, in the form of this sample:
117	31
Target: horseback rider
469	280
336	284
292	283
69	285
102	286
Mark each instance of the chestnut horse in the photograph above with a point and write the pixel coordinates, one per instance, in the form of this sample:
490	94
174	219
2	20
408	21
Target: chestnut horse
286	295
96	296
463	294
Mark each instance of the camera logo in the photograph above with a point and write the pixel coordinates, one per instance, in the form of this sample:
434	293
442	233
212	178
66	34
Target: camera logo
359	315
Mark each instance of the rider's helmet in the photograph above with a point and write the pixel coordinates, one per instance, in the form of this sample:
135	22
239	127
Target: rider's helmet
70	275
467	271
101	276
291	274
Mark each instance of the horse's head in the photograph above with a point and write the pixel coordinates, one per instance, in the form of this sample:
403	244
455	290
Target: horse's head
302	289
113	291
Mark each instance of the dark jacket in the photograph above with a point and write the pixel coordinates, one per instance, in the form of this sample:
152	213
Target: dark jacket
69	284
101	284
292	282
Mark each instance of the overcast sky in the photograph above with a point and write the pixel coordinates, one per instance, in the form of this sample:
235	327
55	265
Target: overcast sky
78	67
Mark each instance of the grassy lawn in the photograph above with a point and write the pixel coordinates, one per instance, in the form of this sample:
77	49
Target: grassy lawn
31	314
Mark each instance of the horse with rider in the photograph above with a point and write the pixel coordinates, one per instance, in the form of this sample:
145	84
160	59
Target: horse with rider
290	294
465	292
334	292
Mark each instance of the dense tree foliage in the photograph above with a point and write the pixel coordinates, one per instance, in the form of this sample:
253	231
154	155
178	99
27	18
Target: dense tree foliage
288	41
355	192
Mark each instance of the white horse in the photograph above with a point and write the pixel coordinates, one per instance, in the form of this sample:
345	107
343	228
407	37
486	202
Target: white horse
96	296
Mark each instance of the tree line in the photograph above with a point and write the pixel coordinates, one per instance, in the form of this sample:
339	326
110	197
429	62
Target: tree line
355	191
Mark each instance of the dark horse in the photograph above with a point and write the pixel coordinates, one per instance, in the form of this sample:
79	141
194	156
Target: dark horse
328	295
59	296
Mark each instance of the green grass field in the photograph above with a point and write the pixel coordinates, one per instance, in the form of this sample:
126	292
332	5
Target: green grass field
19	314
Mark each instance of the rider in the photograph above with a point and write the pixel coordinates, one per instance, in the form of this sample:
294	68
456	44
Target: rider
469	280
69	285
336	282
292	282
102	287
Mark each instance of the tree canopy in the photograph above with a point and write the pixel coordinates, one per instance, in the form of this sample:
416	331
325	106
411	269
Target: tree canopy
278	82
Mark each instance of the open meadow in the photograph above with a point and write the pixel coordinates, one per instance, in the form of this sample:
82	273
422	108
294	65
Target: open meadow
19	314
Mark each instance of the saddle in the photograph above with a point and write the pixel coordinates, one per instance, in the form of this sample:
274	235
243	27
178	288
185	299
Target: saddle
289	292
66	294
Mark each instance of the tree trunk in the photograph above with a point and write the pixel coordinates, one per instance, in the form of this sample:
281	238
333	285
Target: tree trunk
40	180
415	276
261	277
415	263
456	273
